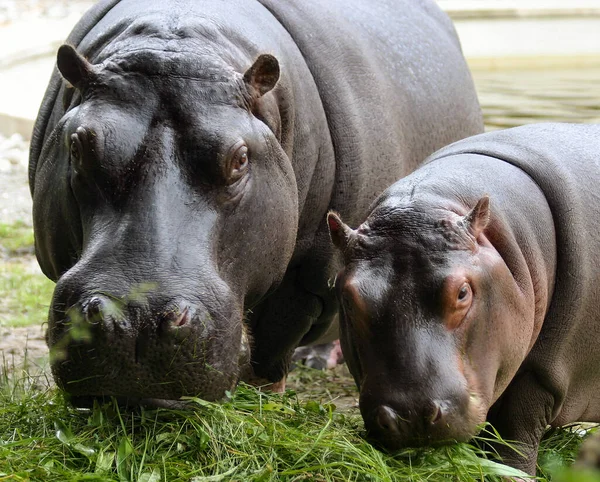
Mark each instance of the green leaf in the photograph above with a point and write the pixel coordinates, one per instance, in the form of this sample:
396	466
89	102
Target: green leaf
199	401
496	468
150	477
312	406
123	453
89	452
214	478
204	438
63	433
104	462
278	407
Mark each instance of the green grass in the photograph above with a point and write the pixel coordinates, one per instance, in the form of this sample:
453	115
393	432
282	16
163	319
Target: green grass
250	437
560	448
24	291
25	295
16	238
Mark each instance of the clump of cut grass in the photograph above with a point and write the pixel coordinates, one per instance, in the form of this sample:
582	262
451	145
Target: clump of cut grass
560	448
252	436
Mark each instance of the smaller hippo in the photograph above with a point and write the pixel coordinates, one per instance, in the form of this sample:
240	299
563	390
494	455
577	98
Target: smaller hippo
472	292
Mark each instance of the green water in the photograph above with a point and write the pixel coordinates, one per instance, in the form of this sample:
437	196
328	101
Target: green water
512	98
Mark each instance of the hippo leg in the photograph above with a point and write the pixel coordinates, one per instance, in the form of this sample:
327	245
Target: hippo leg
265	385
284	319
521	415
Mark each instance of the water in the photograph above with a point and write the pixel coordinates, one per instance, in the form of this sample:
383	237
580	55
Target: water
511	98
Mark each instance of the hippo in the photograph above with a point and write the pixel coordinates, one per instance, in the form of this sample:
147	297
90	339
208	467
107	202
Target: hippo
182	165
471	292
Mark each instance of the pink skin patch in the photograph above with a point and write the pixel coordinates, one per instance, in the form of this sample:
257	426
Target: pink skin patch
336	357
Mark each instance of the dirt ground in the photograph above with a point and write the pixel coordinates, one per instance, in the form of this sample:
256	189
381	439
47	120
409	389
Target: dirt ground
15	205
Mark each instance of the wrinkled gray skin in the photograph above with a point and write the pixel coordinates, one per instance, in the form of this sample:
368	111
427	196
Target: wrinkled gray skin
163	236
472	291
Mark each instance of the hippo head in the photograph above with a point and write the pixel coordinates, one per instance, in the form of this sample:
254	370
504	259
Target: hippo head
177	212
426	305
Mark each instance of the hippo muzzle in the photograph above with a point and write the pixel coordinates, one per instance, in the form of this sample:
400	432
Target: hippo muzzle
141	342
399	418
418	399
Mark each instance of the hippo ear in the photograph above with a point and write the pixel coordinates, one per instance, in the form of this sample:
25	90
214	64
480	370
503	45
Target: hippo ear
73	66
479	217
263	75
340	233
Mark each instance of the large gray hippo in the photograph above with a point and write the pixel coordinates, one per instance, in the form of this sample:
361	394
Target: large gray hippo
183	162
472	291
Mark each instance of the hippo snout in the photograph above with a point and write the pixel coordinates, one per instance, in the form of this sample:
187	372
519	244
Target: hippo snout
144	346
397	424
100	311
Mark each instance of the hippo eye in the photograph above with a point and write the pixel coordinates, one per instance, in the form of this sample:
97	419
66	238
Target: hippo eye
465	292
76	147
239	162
456	303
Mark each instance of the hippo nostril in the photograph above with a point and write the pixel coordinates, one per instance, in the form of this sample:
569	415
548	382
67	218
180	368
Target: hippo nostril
181	319
387	419
438	413
177	318
93	309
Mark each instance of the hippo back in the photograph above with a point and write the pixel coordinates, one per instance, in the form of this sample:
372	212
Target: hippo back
387	72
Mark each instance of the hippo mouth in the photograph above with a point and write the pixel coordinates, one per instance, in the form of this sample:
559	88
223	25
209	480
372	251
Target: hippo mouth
395	442
128	402
146	367
391	432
